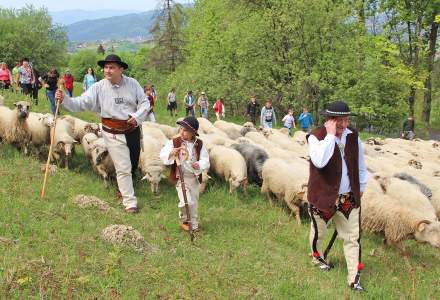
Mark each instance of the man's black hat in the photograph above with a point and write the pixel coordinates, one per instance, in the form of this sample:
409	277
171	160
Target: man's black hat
337	109
190	123
112	58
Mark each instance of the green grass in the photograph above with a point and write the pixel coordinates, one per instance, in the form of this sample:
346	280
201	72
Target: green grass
247	249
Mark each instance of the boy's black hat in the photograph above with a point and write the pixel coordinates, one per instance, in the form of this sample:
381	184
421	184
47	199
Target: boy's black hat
190	123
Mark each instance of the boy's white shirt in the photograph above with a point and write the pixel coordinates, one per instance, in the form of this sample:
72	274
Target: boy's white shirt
203	160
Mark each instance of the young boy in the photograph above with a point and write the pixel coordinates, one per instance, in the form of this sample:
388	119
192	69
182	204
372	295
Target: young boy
194	160
289	121
268	118
149	95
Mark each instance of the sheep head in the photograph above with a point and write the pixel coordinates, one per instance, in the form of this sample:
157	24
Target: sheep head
22	108
91	128
235	182
205	178
428	232
154	175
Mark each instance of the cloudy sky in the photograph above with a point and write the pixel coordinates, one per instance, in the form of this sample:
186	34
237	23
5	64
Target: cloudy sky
57	5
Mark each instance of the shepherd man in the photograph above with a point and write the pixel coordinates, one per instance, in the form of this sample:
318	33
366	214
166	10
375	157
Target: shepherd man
121	102
338	177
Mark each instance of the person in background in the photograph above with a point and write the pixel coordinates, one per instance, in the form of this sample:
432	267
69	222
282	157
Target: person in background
408	129
5	76
189	104
203	104
219	108
268	118
26	77
252	110
36	86
89	79
15	76
306	120
153	92
289	121
148	94
50	83
172	104
68	82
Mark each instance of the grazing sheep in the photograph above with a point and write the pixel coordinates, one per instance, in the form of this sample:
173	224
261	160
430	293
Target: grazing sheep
423	188
285	181
64	143
13	126
39	128
149	162
170	132
206	127
229	164
255	158
154	132
101	160
86	143
205	178
80	128
400	211
231	129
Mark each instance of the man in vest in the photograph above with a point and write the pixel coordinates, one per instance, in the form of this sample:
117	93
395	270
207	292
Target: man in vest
195	159
121	102
338	177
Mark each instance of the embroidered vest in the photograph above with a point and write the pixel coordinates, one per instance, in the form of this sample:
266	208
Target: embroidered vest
177	142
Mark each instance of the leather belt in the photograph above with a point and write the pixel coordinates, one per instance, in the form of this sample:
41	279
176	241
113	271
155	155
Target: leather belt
114	126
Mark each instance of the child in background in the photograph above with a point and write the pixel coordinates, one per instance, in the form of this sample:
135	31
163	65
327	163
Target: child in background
219	109
148	93
194	160
267	117
289	121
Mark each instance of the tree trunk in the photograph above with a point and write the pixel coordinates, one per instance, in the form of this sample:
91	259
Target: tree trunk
426	114
411	101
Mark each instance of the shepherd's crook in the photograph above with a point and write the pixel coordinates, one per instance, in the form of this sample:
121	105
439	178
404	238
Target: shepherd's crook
52	138
182	184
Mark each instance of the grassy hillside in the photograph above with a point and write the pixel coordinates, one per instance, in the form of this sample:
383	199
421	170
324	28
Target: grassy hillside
51	249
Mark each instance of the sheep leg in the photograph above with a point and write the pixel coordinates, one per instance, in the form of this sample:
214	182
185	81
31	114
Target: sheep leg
270	198
245	184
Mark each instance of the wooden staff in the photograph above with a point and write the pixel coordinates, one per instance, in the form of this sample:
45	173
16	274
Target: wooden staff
60	85
182	184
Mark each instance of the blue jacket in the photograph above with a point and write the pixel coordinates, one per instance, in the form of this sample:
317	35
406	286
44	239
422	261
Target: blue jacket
306	121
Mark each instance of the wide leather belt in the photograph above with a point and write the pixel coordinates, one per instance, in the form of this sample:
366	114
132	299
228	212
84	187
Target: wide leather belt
114	126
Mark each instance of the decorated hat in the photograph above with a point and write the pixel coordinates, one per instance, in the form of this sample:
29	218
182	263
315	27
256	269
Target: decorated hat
190	123
337	109
112	58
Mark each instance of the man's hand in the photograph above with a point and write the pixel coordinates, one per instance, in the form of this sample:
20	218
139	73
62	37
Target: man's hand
132	121
59	95
195	166
330	126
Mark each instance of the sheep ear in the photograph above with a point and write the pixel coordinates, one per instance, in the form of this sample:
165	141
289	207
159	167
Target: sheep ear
422	225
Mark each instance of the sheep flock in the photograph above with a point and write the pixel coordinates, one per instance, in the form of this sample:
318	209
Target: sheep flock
401	201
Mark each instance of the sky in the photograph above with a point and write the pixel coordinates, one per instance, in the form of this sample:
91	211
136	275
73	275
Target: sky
58	5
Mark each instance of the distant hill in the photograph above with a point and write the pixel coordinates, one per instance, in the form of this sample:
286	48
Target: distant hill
131	26
67	17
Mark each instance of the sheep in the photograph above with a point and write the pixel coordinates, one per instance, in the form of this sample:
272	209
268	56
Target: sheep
206	127
86	143
399	218
154	132
170	132
39	126
13	126
64	143
231	129
101	159
255	158
80	128
229	164
149	162
285	181
205	178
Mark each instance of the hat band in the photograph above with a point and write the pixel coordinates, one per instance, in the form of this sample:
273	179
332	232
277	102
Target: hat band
189	125
337	112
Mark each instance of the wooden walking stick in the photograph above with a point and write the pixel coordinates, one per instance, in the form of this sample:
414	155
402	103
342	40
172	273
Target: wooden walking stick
52	138
185	199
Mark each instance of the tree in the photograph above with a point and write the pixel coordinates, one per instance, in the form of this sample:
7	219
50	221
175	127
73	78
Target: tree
29	32
80	61
168	37
100	49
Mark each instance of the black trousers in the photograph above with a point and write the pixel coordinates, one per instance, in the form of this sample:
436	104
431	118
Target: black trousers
134	145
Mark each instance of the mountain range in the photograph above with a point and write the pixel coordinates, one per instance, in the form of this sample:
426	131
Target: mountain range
67	17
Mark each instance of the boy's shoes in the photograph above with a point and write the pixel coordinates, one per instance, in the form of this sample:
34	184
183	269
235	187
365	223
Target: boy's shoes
357	287
132	210
185	227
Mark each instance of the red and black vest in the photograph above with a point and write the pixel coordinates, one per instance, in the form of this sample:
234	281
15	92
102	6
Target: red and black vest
323	186
177	142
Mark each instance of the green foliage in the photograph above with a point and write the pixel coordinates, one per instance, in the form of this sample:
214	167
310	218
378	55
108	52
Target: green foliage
81	61
29	32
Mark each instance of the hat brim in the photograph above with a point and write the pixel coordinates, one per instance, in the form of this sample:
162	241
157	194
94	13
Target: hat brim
102	63
327	113
187	127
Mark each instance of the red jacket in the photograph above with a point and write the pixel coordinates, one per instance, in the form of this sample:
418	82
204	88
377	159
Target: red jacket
68	82
151	98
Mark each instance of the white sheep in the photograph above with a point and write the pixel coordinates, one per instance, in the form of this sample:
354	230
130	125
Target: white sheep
400	211
39	126
13	126
149	162
286	181
64	143
205	179
80	128
229	164
86	143
232	130
154	132
101	160
206	127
